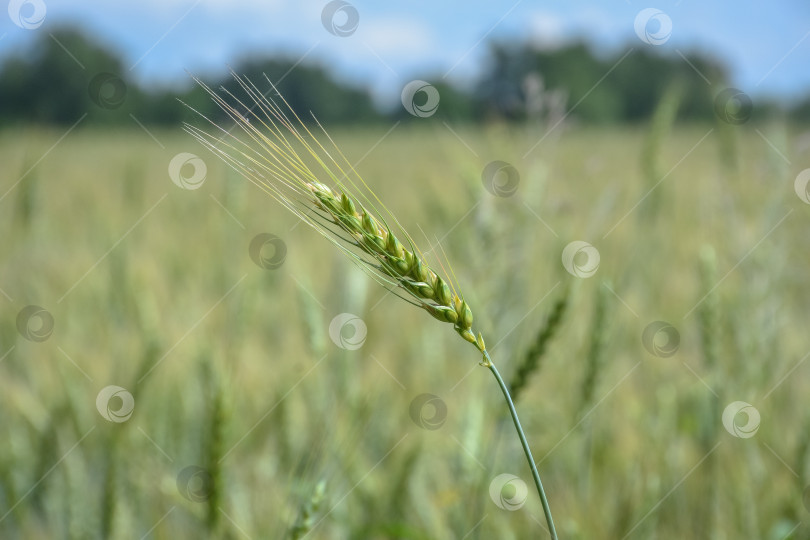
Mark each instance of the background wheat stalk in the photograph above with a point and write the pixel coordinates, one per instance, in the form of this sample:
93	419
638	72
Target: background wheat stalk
282	157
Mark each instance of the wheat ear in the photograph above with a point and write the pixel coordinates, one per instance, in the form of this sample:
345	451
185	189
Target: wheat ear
308	512
284	159
533	356
271	160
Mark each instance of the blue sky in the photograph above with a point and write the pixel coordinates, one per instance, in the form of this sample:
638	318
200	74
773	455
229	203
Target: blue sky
766	44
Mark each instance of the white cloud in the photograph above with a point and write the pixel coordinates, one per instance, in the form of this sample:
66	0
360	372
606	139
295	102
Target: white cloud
397	38
552	30
547	30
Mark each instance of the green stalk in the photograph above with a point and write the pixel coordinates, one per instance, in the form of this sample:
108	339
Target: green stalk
524	443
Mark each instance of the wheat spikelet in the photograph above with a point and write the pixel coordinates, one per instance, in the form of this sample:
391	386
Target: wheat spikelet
308	512
596	348
531	361
281	156
594	365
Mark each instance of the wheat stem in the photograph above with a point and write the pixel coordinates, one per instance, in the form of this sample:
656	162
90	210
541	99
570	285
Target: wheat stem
526	450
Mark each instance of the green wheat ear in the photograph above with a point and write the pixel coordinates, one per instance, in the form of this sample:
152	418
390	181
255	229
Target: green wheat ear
536	352
661	124
308	512
281	156
405	267
596	347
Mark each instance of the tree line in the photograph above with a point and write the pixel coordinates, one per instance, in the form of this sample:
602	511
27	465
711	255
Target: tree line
66	74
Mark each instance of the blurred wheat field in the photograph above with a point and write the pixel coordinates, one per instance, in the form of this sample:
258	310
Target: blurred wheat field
233	370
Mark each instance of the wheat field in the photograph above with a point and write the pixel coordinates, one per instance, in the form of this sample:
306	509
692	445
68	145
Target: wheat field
245	402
